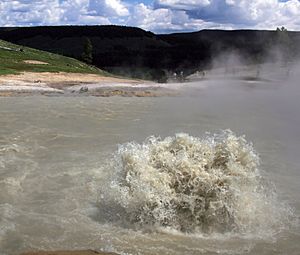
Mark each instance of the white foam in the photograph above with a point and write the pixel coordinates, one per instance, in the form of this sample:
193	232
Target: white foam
195	185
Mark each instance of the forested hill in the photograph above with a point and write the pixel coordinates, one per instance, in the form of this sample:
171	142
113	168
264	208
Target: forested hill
138	53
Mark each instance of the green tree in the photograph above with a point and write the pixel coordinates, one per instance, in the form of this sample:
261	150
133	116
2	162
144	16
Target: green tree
284	43
87	54
282	36
282	29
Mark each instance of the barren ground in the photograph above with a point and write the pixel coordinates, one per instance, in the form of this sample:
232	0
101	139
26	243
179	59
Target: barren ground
30	83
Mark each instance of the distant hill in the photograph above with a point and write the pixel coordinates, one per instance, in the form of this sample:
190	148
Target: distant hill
138	53
15	59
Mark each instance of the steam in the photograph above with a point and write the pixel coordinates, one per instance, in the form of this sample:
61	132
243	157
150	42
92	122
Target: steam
271	60
195	185
232	66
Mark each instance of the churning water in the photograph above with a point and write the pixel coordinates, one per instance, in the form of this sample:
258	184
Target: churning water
193	185
143	176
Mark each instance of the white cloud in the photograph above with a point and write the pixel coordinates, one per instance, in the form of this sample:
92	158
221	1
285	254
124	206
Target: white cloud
118	7
265	14
29	12
291	7
60	12
165	20
108	8
73	10
149	19
161	16
269	14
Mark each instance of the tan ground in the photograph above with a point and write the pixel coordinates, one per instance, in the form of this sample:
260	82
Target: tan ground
74	84
35	62
60	78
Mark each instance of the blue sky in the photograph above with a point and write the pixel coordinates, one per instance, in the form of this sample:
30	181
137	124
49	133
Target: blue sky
160	16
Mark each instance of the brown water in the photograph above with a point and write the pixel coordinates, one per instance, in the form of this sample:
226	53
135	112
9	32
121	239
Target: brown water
58	164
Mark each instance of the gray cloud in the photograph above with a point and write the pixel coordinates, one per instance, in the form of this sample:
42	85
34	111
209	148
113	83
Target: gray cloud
238	13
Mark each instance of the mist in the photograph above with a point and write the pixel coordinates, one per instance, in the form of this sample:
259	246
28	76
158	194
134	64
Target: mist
275	66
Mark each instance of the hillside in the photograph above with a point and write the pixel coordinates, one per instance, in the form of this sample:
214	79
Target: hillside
140	54
15	59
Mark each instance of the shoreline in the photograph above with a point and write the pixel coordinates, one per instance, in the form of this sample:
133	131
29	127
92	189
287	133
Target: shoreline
75	252
79	84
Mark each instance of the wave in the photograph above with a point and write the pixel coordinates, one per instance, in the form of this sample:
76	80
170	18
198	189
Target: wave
189	184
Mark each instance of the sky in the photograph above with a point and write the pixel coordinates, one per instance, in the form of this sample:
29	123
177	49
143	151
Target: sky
159	16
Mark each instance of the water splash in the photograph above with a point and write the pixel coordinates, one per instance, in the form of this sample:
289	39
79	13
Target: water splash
195	185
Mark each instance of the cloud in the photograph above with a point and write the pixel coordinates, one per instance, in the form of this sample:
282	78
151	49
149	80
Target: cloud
182	5
239	13
159	16
163	20
29	12
61	12
149	19
108	8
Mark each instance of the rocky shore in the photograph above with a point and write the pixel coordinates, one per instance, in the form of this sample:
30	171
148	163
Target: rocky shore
76	84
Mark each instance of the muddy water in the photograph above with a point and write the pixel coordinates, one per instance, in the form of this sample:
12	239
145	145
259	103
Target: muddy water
58	158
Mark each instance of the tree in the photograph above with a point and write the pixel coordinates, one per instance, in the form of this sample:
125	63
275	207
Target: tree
284	43
87	54
282	36
282	29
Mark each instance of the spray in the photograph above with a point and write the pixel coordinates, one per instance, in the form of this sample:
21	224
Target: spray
195	185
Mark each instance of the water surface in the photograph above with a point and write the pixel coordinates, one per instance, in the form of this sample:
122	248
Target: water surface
56	157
